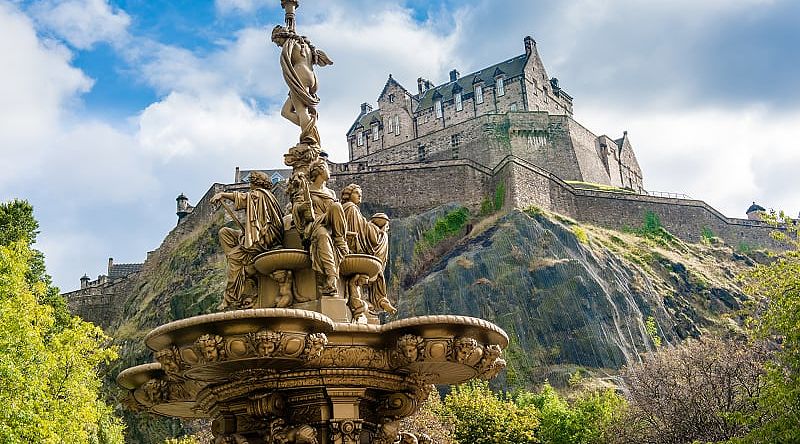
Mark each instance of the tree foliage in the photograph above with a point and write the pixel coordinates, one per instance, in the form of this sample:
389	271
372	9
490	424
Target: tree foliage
48	372
586	420
701	391
778	284
17	224
482	417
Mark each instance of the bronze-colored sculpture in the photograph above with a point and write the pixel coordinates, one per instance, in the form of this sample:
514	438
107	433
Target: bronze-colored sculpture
368	237
289	366
298	57
320	219
262	230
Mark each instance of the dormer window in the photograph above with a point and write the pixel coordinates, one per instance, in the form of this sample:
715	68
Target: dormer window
397	125
478	94
437	107
501	87
390	125
459	103
375	134
360	138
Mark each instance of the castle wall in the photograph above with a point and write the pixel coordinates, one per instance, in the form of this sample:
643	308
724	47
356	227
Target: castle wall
401	190
586	147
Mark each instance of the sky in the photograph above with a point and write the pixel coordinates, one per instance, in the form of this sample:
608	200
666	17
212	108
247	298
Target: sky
110	109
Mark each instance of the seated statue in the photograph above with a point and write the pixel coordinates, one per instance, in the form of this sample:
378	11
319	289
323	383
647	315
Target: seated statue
262	230
318	215
368	237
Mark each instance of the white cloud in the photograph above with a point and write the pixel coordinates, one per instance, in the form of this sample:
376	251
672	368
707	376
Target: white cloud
186	125
242	6
83	23
36	85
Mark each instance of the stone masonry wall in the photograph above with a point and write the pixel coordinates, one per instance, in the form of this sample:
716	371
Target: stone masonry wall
405	189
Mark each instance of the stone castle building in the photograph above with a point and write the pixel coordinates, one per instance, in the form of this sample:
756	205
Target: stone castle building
512	108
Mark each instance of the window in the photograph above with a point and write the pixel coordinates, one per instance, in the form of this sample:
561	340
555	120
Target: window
390	125
391	98
397	125
512	107
360	138
437	106
501	87
479	94
455	140
421	155
375	135
459	104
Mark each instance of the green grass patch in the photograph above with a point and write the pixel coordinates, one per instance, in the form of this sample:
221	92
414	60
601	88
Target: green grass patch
445	227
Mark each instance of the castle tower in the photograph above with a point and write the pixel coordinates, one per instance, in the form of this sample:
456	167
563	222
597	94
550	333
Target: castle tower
85	281
183	207
755	211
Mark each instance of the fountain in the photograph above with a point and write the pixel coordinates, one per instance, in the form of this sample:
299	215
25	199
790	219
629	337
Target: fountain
300	355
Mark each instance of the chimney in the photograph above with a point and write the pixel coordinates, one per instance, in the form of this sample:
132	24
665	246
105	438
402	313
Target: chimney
84	281
365	108
424	85
110	264
530	44
454	75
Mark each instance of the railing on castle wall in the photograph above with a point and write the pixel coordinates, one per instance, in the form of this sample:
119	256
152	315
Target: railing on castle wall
666	194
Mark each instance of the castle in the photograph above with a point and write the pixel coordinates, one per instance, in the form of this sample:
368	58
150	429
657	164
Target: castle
504	134
509	109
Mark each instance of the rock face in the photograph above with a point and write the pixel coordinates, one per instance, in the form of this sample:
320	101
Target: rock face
571	297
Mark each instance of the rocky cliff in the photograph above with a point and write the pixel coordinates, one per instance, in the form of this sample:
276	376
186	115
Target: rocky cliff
572	297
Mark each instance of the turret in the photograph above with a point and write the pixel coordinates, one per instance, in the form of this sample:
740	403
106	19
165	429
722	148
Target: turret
85	281
755	211
183	206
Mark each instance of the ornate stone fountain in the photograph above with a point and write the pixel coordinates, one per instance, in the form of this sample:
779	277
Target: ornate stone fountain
300	355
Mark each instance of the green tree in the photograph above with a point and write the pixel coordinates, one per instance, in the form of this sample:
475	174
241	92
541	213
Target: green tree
778	284
481	417
48	376
587	420
17	224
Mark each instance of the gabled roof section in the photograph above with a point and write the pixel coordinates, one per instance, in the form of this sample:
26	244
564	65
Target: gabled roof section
511	68
364	121
390	82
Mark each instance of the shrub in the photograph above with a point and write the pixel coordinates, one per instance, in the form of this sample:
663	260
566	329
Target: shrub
447	226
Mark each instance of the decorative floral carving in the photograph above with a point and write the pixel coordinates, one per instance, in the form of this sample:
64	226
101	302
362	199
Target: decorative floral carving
211	348
315	343
265	342
345	431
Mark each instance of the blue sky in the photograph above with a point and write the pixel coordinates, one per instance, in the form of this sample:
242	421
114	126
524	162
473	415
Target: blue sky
108	110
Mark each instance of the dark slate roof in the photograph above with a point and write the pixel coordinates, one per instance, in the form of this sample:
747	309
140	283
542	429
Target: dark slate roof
755	207
122	270
510	68
365	120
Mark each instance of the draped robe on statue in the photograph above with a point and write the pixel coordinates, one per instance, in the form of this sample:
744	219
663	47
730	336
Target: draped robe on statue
368	238
263	230
293	52
327	236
